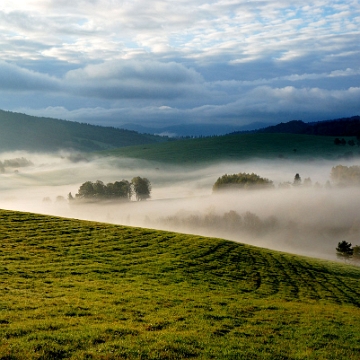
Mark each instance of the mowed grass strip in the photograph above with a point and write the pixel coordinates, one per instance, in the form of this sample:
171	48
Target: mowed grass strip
73	289
238	147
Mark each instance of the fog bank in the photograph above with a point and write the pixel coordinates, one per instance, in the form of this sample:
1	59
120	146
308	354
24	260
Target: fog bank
303	220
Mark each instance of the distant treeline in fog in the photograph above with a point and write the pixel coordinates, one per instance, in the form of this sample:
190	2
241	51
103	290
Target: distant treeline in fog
232	222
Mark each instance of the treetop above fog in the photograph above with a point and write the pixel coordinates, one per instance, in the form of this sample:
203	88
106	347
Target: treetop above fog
119	190
241	181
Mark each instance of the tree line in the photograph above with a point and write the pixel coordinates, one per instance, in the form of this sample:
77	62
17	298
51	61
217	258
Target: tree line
119	190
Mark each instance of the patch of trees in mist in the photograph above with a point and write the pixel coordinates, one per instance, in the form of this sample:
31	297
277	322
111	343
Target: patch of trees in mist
242	181
251	224
341	176
119	190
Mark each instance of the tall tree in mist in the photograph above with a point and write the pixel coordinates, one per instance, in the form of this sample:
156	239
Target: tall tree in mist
297	180
141	187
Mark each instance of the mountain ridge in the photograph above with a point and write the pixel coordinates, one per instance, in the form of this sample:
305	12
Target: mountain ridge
186	130
336	127
24	132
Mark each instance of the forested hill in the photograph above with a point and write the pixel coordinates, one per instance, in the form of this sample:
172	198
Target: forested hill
24	132
338	127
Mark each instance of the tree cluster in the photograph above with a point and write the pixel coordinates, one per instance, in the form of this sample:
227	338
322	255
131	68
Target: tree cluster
119	190
241	181
343	142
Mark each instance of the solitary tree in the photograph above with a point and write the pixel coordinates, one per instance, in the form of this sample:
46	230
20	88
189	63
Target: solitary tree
344	248
141	187
297	180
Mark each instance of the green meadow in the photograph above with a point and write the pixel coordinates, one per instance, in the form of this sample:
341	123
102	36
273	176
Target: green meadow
74	289
239	147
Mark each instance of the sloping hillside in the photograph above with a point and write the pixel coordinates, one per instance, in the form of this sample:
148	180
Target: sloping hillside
24	132
240	147
72	289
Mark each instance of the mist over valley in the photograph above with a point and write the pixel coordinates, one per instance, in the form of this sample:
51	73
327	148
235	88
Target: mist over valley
308	220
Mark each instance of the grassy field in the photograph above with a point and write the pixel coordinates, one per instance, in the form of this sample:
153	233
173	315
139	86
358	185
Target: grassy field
239	147
73	289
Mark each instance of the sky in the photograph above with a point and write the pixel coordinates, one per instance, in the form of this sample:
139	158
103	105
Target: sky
165	62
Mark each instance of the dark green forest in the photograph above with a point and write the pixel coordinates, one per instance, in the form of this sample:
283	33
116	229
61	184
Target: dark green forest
336	127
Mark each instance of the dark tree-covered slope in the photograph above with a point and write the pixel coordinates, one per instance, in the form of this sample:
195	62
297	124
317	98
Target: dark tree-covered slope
337	127
24	132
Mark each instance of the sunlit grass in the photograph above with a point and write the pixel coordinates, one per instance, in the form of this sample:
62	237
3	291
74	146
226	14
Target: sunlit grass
72	289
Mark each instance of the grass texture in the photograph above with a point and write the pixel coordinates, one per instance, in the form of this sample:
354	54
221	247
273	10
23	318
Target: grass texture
73	289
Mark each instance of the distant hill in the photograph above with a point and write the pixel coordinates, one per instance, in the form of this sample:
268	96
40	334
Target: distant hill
185	130
338	127
235	147
24	132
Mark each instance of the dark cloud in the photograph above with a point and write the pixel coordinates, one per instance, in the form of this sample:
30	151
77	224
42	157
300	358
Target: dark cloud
14	78
137	80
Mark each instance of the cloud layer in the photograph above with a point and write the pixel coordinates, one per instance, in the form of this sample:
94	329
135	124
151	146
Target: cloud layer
114	62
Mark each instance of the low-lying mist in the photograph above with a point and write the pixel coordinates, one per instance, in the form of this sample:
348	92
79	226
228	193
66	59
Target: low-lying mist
308	220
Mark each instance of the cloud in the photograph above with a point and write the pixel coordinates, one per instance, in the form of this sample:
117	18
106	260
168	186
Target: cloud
14	78
202	58
132	79
262	103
